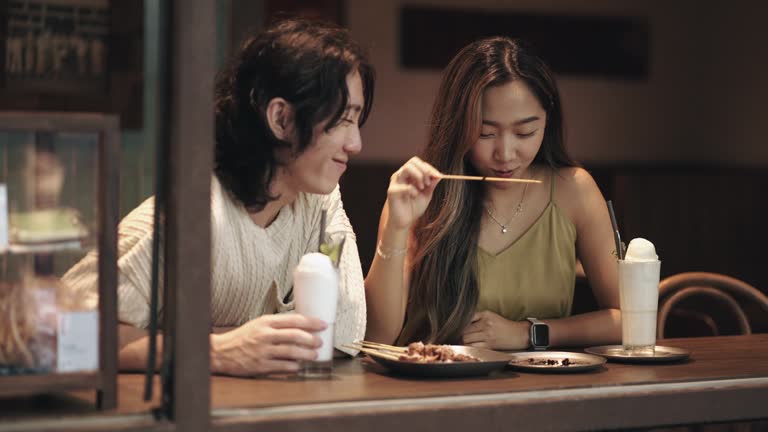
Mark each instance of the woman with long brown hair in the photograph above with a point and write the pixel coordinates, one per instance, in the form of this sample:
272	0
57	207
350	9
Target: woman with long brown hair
483	263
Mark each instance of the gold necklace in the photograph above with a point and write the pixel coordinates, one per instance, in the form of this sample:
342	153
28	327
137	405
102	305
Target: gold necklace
518	210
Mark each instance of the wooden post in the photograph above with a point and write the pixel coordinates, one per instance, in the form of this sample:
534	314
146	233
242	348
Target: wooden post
191	40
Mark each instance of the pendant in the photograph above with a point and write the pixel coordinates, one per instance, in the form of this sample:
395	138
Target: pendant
503	229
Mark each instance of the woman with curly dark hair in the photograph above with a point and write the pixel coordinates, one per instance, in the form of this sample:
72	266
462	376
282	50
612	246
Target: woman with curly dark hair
288	112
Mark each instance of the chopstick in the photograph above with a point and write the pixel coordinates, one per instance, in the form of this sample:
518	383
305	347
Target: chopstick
373	352
386	347
483	178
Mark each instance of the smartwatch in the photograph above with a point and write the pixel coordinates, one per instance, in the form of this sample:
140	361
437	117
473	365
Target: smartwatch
539	334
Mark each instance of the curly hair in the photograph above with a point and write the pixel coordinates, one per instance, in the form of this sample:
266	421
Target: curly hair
307	64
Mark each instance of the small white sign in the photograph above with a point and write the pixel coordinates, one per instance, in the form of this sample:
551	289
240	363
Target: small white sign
3	217
77	348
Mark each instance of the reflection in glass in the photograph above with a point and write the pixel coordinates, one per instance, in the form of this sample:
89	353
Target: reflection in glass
50	200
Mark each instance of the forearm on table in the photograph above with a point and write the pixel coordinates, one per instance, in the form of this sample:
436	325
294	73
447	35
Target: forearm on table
134	347
601	327
385	290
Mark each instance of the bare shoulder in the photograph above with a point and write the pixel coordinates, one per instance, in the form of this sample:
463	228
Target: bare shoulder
576	192
574	179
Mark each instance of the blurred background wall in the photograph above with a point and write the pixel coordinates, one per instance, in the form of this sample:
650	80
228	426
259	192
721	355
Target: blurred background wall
680	150
702	100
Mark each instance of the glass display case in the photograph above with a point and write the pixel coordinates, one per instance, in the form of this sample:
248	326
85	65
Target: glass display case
58	252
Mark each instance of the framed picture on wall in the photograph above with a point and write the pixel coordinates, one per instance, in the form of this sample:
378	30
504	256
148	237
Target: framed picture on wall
71	55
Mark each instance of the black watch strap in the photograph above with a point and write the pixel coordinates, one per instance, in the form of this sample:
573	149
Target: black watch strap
539	334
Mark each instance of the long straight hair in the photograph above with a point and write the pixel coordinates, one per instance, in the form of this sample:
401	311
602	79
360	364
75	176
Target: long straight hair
443	291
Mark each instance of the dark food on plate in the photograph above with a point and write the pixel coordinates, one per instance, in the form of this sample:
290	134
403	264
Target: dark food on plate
429	353
551	362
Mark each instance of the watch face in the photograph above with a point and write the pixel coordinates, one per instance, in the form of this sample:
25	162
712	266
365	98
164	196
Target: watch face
540	335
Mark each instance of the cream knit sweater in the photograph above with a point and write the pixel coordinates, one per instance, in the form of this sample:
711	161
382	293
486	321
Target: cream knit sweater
252	267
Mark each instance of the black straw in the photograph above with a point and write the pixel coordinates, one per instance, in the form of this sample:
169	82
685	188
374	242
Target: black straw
616	236
341	249
321	236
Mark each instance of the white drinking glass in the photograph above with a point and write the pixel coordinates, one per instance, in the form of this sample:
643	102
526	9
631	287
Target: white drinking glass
316	292
639	298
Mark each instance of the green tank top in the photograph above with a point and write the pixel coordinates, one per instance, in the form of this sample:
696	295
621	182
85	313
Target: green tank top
535	275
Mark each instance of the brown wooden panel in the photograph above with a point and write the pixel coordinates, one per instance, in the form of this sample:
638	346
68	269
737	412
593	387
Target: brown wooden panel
325	10
33	384
364	190
187	174
701	219
109	209
70	401
571	44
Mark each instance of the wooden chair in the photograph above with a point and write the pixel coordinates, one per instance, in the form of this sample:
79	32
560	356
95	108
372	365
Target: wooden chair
724	289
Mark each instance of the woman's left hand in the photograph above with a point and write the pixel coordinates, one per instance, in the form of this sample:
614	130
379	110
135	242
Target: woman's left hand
492	331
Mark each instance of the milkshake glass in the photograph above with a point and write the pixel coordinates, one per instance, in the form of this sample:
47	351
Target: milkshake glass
316	291
639	273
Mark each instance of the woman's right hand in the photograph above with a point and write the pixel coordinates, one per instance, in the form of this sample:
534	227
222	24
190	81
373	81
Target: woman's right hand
409	193
268	344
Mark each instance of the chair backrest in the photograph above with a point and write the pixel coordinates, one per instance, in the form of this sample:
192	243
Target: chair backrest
724	289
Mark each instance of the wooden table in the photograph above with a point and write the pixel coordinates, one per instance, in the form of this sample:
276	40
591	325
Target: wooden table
725	380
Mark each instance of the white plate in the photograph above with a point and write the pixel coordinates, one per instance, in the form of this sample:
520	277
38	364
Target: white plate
661	354
555	361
